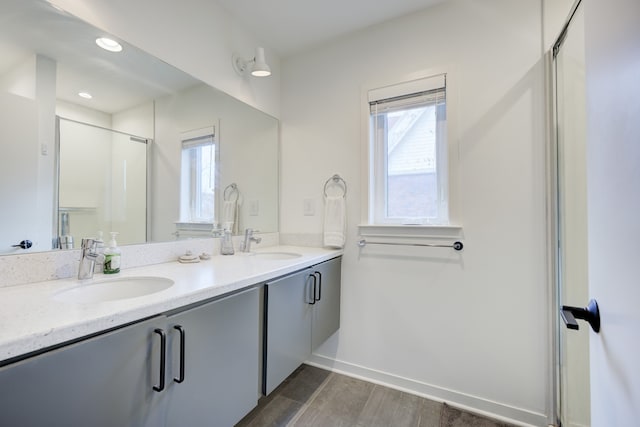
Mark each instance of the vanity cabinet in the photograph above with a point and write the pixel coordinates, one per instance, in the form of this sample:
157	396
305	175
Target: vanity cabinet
302	311
326	311
220	367
101	381
197	367
287	326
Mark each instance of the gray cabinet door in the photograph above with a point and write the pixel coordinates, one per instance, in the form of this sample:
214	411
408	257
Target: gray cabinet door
287	326
326	311
102	381
221	362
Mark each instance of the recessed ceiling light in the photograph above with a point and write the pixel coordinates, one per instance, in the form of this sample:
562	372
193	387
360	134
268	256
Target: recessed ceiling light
109	44
85	95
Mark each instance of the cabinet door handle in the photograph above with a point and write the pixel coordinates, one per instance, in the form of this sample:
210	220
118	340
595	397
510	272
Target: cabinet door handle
319	285
163	351
182	344
313	292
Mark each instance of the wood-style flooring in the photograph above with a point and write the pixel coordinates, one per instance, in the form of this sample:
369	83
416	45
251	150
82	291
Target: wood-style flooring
316	397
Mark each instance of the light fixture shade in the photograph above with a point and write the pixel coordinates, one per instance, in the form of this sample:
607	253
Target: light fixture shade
260	67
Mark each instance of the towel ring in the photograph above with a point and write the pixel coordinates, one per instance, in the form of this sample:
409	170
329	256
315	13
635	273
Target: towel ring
229	191
337	180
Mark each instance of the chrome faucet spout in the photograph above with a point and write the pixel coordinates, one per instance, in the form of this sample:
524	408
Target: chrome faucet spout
248	238
88	257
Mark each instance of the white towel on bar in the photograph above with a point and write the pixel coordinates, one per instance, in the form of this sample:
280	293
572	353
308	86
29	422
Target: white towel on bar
335	222
230	215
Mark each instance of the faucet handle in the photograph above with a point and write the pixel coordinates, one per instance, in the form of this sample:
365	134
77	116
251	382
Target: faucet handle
90	244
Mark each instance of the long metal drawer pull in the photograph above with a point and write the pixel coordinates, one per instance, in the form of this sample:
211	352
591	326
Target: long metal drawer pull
182	347
315	284
319	285
163	351
457	245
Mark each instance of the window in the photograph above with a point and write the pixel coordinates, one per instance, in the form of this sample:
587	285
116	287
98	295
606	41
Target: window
198	176
408	153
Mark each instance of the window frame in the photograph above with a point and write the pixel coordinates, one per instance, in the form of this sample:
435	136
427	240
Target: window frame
189	191
369	226
428	94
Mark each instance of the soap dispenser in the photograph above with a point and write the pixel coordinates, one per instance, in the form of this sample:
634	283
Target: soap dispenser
226	245
99	248
112	256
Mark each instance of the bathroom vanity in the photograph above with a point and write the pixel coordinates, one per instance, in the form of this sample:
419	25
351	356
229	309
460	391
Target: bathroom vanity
190	354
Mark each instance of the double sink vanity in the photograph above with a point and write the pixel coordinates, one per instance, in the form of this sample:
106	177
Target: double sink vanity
160	343
165	344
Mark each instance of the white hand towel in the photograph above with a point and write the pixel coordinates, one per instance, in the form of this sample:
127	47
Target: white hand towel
335	222
230	215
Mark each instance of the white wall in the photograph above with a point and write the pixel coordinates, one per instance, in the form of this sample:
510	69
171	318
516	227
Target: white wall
18	217
34	79
469	329
198	37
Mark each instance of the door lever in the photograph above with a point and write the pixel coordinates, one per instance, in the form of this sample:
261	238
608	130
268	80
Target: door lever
590	313
25	244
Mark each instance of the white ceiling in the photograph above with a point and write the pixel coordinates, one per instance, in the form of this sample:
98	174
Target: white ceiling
286	26
291	26
116	81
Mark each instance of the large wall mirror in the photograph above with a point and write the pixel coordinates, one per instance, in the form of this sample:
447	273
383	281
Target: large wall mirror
95	141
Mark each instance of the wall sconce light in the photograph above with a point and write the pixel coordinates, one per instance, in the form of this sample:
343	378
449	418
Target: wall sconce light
257	65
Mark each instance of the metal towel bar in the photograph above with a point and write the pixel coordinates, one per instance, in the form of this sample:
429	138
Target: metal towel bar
457	245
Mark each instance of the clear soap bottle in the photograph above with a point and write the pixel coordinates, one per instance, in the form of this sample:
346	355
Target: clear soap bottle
226	245
100	249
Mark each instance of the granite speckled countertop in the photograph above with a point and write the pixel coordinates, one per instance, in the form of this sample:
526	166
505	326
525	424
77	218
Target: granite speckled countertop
32	318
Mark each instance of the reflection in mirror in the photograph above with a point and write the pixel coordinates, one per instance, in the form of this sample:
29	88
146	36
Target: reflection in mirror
102	184
47	58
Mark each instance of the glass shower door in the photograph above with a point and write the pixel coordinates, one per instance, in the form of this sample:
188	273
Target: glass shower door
572	262
102	183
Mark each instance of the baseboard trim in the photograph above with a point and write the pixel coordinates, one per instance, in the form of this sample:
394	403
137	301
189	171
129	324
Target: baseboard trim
498	411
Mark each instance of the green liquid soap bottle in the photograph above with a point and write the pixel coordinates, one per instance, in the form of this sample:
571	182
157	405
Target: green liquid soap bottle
112	256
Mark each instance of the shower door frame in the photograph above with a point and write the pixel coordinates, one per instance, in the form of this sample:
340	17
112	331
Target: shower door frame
553	229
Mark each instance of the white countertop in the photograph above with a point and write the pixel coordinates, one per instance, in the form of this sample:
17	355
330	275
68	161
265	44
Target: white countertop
32	319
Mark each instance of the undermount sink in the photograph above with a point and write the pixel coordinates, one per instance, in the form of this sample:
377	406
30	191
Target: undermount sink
114	289
277	256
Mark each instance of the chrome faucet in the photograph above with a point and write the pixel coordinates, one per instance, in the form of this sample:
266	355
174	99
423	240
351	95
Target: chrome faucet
88	257
248	238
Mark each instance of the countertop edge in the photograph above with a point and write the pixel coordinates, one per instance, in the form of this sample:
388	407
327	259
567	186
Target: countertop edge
19	340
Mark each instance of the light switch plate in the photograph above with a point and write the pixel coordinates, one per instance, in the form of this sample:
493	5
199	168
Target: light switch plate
254	207
309	208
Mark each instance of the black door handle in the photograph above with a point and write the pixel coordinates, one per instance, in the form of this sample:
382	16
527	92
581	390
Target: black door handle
25	244
590	313
319	286
313	289
180	329
163	352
